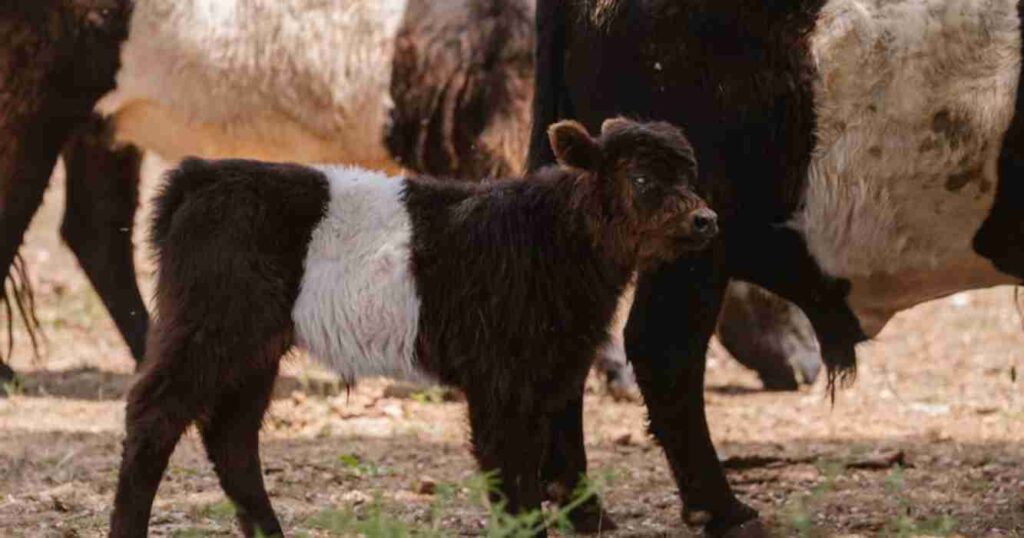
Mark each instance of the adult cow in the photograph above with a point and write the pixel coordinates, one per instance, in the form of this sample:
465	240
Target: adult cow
865	156
57	57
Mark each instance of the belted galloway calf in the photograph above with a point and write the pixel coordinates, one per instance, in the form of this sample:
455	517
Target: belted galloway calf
502	289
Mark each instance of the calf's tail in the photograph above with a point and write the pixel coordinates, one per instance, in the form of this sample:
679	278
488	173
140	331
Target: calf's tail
179	183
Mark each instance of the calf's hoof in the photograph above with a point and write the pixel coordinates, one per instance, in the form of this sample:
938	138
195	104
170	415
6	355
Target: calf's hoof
591	518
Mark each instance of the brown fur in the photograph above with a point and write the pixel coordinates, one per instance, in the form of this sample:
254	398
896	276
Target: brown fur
460	83
518	282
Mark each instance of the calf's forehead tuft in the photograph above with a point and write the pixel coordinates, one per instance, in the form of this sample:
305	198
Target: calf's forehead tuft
659	140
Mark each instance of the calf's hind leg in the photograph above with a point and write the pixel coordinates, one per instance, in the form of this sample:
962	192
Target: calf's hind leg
186	379
157	414
231	436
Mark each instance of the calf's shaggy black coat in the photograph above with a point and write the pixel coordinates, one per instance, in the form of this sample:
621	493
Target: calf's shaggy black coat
514	286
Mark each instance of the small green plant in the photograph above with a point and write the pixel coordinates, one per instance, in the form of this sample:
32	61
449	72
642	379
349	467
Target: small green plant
221	512
355	464
13	387
905	524
797	514
373	522
501	524
431	395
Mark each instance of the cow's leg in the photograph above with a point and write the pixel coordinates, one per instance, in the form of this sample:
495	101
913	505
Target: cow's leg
24	176
231	436
670	325
102	195
565	466
768	335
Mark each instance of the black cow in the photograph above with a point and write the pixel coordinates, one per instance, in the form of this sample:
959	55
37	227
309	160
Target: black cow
863	156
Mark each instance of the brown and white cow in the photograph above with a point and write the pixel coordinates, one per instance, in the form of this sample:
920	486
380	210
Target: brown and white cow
865	156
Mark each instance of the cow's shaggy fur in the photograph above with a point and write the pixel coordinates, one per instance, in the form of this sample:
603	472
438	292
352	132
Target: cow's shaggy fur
295	79
504	290
912	100
461	87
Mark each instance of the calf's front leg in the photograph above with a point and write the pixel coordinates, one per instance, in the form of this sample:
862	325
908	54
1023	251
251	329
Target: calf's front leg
565	467
509	440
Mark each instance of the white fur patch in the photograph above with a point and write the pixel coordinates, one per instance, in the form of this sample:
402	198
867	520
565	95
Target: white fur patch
300	80
358	310
912	99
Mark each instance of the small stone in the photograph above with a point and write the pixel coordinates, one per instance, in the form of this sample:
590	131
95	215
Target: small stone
426	486
60	505
355	497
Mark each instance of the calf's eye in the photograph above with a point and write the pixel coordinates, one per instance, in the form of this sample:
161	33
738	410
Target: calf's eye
640	181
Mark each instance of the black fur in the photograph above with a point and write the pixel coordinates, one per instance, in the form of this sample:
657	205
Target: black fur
737	73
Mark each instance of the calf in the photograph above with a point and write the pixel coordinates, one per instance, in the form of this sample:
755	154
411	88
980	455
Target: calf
504	289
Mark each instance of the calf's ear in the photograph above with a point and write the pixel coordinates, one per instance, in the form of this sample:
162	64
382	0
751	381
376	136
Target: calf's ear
573	145
615	124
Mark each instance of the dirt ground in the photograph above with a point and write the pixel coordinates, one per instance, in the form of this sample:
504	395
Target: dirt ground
927	442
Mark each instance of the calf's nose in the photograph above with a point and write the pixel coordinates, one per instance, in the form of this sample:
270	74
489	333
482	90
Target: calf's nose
704	222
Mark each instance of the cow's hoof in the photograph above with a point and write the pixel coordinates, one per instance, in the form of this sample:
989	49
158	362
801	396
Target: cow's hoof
8	379
6	374
784	381
740	521
751	529
591	518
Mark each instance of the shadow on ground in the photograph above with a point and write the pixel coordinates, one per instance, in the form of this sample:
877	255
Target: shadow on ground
93	384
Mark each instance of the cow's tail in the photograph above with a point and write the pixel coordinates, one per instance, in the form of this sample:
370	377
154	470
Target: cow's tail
191	175
548	88
18	299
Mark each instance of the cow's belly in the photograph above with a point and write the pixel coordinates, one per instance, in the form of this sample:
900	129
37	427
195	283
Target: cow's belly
291	80
912	100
